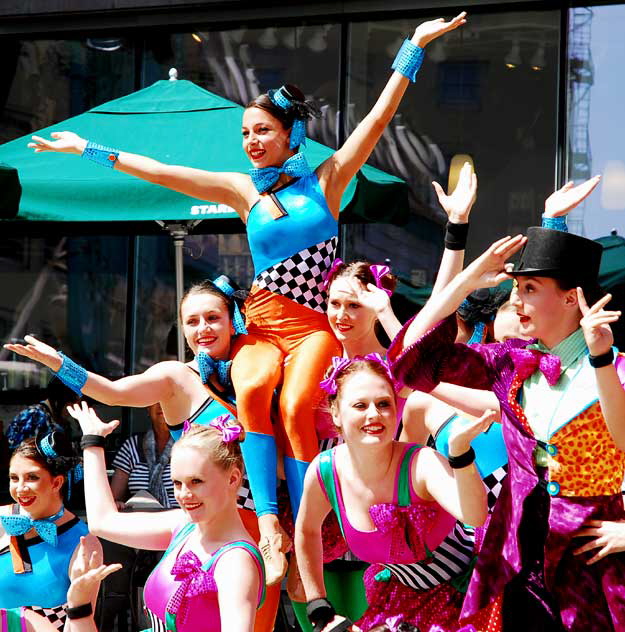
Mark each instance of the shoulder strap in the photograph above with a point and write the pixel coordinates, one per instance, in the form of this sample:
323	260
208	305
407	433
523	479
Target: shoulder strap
404	484
326	470
12	620
253	551
182	533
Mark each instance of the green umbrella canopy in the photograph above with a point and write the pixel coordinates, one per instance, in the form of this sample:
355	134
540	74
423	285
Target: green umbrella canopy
176	122
612	270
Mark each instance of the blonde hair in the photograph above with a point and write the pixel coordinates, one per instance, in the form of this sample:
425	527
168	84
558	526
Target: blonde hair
209	439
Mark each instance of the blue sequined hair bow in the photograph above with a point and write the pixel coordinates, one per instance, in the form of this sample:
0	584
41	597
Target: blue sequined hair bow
282	99
222	284
46	446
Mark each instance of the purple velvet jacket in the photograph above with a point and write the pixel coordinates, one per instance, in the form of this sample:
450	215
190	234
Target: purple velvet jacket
589	597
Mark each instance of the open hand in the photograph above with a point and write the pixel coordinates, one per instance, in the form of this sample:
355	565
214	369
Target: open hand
564	200
38	351
90	423
490	268
596	323
66	142
86	573
607	536
458	204
430	30
460	440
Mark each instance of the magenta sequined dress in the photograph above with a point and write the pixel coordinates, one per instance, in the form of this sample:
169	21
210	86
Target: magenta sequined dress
526	568
404	531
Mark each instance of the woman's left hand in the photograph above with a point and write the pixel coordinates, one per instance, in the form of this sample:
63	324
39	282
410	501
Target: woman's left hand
86	573
90	423
607	536
458	205
596	323
460	440
564	200
430	30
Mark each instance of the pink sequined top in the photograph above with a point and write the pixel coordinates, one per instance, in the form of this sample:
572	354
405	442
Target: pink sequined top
403	528
181	594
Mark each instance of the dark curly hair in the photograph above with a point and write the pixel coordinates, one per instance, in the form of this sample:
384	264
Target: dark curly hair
481	306
300	108
57	466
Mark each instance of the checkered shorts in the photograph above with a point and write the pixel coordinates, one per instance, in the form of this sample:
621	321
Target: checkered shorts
301	277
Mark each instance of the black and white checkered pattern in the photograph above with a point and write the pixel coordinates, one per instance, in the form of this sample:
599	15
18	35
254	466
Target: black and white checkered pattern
450	559
244	497
56	616
494	483
300	277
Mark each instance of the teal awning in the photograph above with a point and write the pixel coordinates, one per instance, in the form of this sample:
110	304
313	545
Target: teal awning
176	122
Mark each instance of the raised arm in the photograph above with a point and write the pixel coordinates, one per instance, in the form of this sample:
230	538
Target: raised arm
459	489
233	189
155	385
335	173
458	208
150	531
488	270
561	202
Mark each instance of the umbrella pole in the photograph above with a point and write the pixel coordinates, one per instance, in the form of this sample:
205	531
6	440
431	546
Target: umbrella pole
178	237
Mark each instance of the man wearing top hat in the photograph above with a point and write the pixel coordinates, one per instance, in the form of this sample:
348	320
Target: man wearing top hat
562	403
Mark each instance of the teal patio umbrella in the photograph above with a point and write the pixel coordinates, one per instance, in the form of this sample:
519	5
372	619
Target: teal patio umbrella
175	122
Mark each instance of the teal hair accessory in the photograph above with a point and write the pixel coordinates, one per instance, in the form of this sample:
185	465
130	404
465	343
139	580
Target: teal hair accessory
221	283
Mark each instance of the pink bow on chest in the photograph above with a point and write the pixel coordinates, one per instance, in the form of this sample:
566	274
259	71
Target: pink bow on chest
195	581
527	361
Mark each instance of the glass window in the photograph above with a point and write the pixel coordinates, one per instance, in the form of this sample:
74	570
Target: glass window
487	91
47	81
596	137
240	64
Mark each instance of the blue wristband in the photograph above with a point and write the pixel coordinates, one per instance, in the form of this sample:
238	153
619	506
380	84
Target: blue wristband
104	156
555	223
71	374
408	60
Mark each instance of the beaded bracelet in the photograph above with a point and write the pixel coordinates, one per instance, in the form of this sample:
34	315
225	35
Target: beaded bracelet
462	460
71	374
456	236
555	223
104	156
408	60
601	360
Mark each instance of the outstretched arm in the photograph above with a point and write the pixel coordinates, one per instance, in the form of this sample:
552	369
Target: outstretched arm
336	172
153	386
150	531
488	270
232	189
561	202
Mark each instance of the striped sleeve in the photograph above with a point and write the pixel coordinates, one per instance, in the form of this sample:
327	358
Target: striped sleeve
127	456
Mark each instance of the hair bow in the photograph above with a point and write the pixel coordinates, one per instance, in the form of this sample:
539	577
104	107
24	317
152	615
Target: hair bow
264	178
336	264
298	129
221	283
229	433
339	364
379	272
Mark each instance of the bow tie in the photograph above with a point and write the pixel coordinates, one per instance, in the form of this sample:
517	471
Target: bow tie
527	361
20	524
208	366
195	581
296	166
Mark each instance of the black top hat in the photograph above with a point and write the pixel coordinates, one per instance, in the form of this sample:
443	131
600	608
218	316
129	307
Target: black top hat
560	255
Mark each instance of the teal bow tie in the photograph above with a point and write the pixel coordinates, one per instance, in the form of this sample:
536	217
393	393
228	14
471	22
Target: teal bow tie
296	166
20	524
207	366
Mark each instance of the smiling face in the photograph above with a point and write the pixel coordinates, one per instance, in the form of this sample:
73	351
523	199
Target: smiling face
34	488
206	324
544	310
348	318
265	140
365	409
202	488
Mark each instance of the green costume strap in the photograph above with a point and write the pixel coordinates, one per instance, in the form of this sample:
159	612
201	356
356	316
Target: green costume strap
12	620
326	469
405	484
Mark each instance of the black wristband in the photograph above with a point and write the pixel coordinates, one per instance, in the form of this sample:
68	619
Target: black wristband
320	611
79	612
457	462
92	441
598	361
456	236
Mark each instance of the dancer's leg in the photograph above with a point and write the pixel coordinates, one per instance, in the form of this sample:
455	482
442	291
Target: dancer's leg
299	400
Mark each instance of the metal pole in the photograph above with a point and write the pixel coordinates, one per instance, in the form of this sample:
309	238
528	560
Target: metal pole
178	236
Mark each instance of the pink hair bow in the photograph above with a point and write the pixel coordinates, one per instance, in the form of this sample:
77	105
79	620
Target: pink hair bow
379	272
333	268
229	433
186	426
376	357
329	384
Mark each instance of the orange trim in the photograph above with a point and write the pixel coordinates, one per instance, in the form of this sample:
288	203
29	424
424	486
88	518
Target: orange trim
16	556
